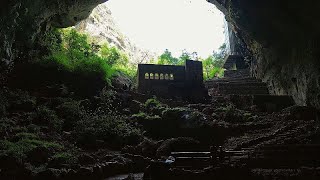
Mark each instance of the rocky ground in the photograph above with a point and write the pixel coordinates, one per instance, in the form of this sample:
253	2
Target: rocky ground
52	133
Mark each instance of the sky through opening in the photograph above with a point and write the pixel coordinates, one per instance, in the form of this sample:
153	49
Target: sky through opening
156	25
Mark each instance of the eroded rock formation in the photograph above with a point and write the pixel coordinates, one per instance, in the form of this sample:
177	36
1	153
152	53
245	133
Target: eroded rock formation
102	27
284	41
281	35
22	22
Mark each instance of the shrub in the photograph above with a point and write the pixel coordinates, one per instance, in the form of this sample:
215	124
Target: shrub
71	112
22	147
63	158
112	129
47	117
6	126
72	51
152	103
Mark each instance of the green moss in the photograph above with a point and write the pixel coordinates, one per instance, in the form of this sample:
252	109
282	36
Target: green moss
65	158
20	148
152	103
24	135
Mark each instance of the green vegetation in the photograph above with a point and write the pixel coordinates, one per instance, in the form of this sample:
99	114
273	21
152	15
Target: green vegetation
152	103
24	143
63	158
212	65
74	52
107	128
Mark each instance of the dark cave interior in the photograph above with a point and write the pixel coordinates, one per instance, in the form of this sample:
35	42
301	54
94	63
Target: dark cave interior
278	39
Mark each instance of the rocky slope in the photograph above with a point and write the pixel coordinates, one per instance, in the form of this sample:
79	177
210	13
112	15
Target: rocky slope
101	26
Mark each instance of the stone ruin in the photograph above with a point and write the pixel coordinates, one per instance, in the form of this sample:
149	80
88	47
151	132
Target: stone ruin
172	81
236	66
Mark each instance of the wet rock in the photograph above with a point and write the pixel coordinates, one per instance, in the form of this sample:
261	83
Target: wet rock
85	159
85	173
157	170
48	174
38	155
8	162
208	110
70	174
138	163
302	113
25	105
97	172
147	148
135	106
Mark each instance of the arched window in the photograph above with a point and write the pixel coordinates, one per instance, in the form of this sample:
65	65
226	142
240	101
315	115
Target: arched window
156	76
171	77
151	76
166	76
146	76
161	76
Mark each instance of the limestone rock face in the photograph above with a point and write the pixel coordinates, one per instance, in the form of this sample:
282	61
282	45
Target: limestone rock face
102	27
283	37
21	22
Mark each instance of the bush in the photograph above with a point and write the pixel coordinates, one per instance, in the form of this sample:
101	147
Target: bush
154	106
47	117
6	126
22	147
72	51
112	129
152	103
71	112
63	158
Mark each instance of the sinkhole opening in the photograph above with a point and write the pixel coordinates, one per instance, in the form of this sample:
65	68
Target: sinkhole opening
119	35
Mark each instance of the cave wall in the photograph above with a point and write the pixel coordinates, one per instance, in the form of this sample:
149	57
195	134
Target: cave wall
22	22
283	38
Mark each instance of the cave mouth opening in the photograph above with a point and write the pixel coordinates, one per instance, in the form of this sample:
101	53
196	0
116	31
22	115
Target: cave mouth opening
195	27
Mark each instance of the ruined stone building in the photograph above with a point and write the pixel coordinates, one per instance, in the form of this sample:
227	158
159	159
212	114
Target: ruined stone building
172	81
235	66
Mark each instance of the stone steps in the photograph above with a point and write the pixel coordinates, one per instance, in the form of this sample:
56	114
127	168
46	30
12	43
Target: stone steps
267	102
239	84
234	79
237	73
192	160
246	92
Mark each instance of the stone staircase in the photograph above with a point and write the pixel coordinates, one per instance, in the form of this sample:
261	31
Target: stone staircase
246	92
241	85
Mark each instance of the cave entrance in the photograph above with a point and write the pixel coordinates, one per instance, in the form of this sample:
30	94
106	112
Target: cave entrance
147	29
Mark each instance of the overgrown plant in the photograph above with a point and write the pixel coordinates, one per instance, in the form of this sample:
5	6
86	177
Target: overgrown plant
74	52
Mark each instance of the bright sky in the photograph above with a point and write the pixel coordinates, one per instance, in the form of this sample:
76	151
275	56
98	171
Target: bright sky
156	25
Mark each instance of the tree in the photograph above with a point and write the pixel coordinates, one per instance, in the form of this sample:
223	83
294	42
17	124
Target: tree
113	55
167	58
208	64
